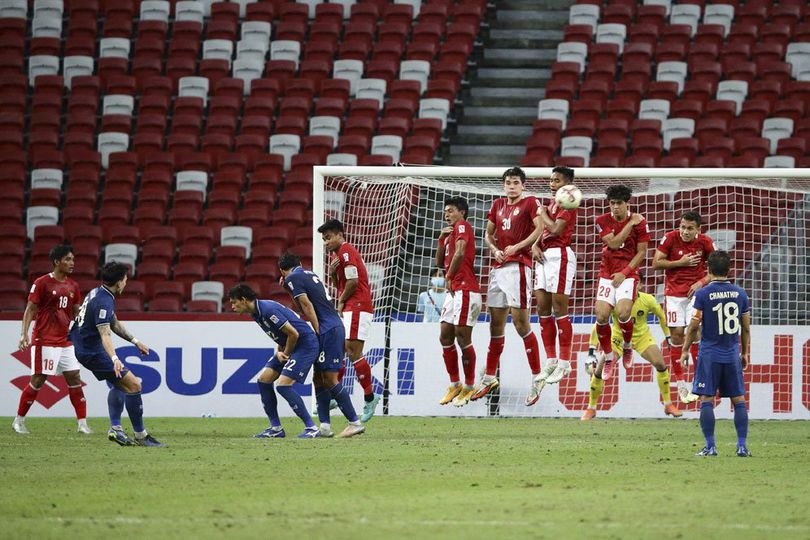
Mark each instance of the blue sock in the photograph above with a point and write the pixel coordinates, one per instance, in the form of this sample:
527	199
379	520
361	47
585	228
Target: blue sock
134	405
344	401
296	404
322	398
741	422
115	404
270	403
707	422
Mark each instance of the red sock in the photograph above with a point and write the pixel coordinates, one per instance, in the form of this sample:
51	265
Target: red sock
79	403
604	333
342	371
627	330
494	354
694	350
675	352
532	352
566	336
468	363
548	333
363	372
28	397
450	354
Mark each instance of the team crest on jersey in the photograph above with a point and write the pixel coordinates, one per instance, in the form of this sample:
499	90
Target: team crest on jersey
516	212
53	293
640	313
292	286
274	319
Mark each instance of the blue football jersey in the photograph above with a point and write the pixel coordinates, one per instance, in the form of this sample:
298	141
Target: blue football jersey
300	282
723	304
271	316
97	309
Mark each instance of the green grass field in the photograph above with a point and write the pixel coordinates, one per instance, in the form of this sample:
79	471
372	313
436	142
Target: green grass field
407	478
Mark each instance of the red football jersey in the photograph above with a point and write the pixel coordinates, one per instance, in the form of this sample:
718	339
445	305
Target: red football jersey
464	279
563	239
55	300
347	255
614	260
678	280
513	224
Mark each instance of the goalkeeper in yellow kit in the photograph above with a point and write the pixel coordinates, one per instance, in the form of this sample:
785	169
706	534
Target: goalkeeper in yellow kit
643	343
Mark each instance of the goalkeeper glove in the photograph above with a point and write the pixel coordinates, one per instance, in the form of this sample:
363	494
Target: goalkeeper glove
590	363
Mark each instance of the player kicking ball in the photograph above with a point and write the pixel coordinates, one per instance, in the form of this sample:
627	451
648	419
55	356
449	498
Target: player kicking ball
643	343
723	314
298	350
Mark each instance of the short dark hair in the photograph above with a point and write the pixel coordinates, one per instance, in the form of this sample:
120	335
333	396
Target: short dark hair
567	172
514	171
241	290
459	202
438	271
288	261
619	192
331	225
59	252
113	272
692	216
719	262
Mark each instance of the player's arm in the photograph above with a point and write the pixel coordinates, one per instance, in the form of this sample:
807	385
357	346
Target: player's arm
528	241
351	274
457	260
445	232
106	341
292	341
615	241
691	334
29	315
658	311
553	227
119	330
660	261
745	339
309	311
489	239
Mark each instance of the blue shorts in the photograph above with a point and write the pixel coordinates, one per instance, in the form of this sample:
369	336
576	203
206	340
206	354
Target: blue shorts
332	349
296	368
101	365
711	377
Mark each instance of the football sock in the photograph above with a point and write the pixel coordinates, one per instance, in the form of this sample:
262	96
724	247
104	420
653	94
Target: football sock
115	405
566	332
675	352
468	363
344	401
627	330
494	354
548	333
741	422
707	422
270	402
27	398
532	352
296	404
693	350
363	372
134	405
77	399
596	390
662	378
322	398
342	371
450	355
604	333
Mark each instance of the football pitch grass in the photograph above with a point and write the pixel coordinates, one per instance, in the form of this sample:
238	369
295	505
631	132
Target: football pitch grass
406	478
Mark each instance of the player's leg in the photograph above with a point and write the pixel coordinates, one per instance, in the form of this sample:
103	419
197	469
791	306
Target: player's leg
625	296
41	367
497	326
357	326
463	335
77	399
327	372
595	389
520	318
133	402
652	354
322	400
562	284
603	308
732	385
284	385
267	377
705	385
447	338
548	326
678	313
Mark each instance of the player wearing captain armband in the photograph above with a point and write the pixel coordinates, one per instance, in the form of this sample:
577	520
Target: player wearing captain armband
462	305
682	253
643	343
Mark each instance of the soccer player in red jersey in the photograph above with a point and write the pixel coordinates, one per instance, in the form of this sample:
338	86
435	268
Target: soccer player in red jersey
682	254
462	305
53	302
625	237
554	274
512	227
348	271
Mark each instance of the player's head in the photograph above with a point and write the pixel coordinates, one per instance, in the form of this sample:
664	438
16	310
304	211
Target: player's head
332	234
560	176
243	298
617	197
287	262
719	263
114	276
62	258
514	179
455	209
690	226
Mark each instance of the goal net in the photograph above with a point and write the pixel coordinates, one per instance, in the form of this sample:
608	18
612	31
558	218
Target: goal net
393	216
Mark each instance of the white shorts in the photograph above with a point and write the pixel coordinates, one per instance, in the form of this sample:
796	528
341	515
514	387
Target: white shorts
556	273
679	310
357	324
510	286
606	292
46	360
461	308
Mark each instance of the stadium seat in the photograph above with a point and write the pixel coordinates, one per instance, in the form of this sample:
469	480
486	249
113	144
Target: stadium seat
212	291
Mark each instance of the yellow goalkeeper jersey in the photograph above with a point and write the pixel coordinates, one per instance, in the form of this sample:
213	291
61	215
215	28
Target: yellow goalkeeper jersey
644	305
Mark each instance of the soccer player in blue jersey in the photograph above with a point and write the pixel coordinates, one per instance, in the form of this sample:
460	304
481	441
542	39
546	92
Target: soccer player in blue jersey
297	350
92	340
314	302
723	312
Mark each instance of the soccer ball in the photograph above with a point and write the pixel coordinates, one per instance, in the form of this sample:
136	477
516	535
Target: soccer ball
568	197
